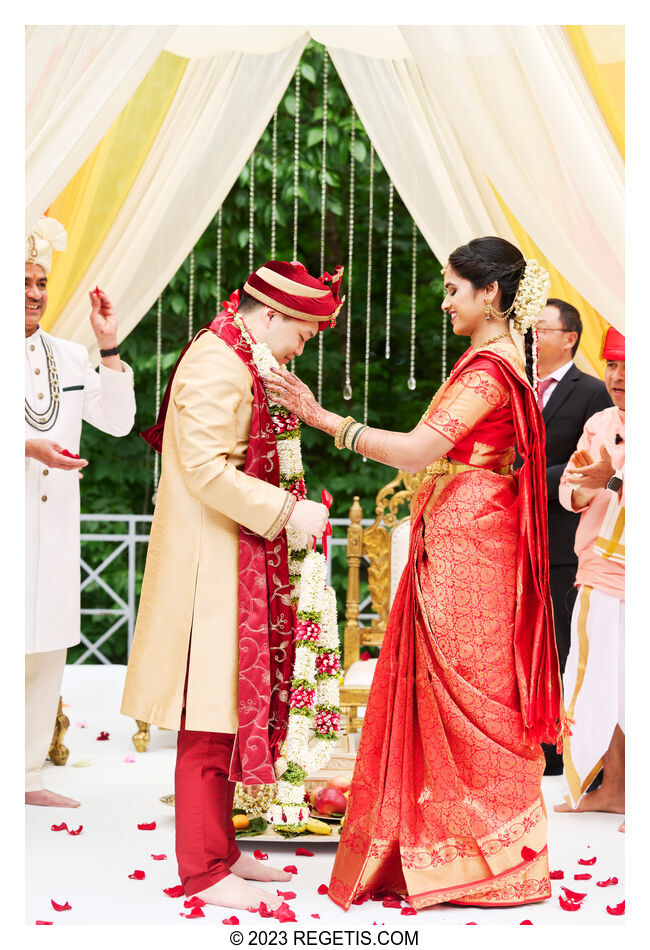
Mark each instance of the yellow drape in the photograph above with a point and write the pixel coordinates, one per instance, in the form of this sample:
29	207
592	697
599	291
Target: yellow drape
600	50
593	325
89	204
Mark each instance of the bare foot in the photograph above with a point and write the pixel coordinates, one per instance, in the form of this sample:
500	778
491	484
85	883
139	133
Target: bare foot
251	869
232	891
622	827
598	800
43	796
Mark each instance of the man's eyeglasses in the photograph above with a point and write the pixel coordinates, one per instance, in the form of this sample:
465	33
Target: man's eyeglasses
553	330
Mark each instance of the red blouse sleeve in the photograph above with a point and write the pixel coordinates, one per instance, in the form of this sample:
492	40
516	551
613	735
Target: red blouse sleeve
478	391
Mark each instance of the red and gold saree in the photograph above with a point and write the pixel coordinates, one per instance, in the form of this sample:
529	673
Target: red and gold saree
446	800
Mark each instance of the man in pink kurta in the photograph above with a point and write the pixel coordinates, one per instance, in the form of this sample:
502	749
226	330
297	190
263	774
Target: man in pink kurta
594	485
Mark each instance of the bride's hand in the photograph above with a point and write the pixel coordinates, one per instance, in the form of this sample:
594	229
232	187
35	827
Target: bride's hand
289	391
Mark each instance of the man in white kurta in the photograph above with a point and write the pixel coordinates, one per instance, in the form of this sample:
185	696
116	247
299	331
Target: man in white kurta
61	390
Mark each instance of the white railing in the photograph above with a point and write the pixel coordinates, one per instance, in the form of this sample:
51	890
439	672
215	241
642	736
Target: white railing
123	544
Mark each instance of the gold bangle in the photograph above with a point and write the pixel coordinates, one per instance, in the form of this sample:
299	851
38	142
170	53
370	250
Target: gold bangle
338	435
349	434
356	437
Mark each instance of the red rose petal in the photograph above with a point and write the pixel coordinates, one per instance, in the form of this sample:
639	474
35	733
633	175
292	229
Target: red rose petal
361	900
323	889
61	827
284	914
288	895
408	911
617	911
260	855
264	910
137	876
176	891
471	923
569	905
557	875
56	906
233	921
77	831
159	857
317	916
304	852
586	861
194	902
608	882
389	902
69	455
44	922
96	290
103	736
147	826
525	922
582	877
573	895
528	854
291	869
194	913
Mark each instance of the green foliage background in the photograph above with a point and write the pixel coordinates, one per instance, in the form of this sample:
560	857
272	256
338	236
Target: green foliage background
120	476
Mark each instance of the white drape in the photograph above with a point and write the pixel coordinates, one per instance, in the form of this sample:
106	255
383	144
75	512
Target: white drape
517	100
211	128
78	81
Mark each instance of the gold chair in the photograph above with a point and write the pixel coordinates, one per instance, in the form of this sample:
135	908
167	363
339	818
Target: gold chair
59	753
384	545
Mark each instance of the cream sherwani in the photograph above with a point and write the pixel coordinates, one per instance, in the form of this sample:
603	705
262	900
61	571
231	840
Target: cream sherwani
188	614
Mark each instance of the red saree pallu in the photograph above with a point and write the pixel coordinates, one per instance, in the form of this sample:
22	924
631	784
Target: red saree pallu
266	616
446	804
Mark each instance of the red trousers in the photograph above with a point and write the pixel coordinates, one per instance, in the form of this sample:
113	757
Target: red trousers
206	847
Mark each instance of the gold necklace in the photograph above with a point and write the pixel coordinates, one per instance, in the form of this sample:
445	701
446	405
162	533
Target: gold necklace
500	336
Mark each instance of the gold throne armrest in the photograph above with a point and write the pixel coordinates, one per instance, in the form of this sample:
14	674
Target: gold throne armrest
372	544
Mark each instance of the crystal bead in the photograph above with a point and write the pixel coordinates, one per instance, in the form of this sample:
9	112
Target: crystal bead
411	382
347	392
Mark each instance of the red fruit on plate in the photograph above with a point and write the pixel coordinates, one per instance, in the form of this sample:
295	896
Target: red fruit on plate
314	792
342	782
330	801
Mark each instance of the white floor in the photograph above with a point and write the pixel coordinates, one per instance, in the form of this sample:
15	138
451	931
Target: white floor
91	870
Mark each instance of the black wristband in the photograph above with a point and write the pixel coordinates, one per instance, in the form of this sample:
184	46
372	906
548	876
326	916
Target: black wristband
114	351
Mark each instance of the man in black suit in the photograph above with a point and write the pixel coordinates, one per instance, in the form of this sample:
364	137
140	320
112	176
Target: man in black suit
567	397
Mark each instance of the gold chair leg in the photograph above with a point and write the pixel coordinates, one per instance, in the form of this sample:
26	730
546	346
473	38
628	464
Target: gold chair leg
142	736
58	752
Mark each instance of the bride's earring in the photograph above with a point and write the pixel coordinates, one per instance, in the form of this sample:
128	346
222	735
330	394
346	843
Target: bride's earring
488	309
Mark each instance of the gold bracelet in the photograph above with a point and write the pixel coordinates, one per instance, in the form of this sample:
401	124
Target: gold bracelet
356	437
350	433
338	435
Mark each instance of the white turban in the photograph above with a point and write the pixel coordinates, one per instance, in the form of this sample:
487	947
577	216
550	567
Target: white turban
47	235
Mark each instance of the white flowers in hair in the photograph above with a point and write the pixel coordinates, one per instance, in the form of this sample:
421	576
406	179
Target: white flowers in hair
531	296
314	712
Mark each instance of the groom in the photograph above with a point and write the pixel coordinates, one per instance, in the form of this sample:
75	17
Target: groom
213	648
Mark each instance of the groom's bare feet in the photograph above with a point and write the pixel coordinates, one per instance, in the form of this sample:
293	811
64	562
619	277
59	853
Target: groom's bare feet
43	796
233	891
599	800
251	869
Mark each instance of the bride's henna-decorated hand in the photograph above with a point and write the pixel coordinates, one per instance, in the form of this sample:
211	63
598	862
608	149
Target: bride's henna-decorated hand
289	391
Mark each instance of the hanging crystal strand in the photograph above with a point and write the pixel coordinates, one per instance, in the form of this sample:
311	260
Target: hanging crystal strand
347	389
251	217
156	456
296	168
219	244
323	196
414	260
389	266
190	300
366	379
274	181
445	318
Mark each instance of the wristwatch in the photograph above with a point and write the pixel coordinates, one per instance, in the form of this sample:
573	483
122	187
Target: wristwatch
615	481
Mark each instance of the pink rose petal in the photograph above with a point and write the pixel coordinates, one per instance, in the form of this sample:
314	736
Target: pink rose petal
56	906
176	891
137	876
129	758
232	921
617	911
147	826
317	916
608	882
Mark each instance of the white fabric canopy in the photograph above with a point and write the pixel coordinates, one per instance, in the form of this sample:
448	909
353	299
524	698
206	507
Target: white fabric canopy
79	78
449	110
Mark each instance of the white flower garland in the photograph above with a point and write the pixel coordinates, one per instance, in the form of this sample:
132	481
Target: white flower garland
314	714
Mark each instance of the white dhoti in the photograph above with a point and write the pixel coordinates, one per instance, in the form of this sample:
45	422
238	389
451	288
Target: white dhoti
594	687
43	678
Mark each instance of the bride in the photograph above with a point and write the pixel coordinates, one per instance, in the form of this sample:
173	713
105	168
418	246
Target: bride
446	800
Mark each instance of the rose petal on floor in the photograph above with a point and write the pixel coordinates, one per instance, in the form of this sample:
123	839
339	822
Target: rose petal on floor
587	861
194	913
525	922
103	736
317	916
159	857
44	922
408	911
194	901
260	855
264	910
284	914
176	891
618	910
304	852
147	826
288	895
573	895
557	875
608	882
291	869
231	921
56	906
323	889
77	831
582	877
62	827
569	905
137	876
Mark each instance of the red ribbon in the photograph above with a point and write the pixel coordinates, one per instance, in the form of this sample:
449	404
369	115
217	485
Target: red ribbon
327	500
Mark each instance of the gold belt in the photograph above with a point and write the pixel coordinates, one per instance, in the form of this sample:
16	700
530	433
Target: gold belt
445	466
